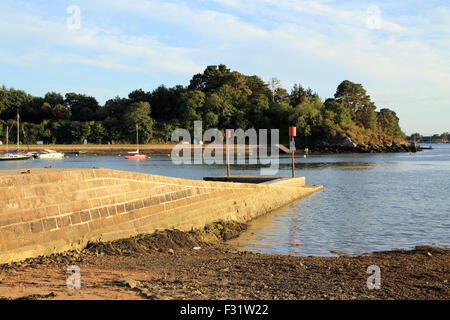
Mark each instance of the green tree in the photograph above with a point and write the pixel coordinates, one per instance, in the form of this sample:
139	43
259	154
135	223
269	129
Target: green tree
59	112
98	133
192	103
212	78
82	107
166	103
138	113
352	95
388	122
54	98
366	116
12	100
116	107
308	120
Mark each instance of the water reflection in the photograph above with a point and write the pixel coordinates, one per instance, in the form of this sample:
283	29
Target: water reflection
395	203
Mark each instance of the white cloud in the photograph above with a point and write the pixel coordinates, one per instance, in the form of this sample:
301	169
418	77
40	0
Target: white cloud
51	41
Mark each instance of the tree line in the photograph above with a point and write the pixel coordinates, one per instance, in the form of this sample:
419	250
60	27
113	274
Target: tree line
219	97
444	137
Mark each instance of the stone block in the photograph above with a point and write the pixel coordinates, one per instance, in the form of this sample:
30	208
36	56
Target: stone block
103	212
75	218
63	221
49	224
85	215
36	226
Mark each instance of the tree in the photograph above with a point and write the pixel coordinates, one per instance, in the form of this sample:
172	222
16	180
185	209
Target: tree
54	98
388	123
307	117
257	109
59	112
298	94
191	107
12	100
98	133
140	95
138	113
166	102
46	110
258	87
82	107
116	107
366	116
341	114
212	78
352	95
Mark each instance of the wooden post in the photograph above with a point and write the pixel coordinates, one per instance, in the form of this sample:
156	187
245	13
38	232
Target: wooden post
292	134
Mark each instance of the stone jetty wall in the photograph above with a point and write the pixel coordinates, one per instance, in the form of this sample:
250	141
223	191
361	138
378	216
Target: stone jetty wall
45	212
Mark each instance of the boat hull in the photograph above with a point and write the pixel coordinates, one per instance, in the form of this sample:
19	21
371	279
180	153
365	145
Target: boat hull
15	158
136	157
50	156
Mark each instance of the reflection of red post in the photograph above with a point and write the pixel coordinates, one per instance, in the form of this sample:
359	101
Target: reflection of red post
227	137
292	134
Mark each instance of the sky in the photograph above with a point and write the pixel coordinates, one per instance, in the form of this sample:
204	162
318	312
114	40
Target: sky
398	50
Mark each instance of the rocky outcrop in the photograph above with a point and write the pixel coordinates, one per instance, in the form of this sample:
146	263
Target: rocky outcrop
349	146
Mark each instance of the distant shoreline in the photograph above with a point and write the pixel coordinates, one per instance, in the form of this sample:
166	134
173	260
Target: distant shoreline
163	149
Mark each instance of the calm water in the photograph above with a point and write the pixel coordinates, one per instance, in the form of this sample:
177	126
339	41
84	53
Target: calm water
369	202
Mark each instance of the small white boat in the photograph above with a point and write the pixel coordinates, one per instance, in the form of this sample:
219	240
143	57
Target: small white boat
50	154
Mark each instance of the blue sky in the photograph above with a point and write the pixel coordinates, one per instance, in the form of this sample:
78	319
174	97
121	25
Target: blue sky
398	50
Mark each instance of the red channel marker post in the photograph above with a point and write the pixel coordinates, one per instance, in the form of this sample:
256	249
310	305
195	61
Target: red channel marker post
292	134
228	136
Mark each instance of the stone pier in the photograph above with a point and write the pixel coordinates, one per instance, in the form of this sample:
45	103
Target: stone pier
44	211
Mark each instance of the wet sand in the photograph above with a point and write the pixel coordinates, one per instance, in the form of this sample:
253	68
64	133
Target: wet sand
166	266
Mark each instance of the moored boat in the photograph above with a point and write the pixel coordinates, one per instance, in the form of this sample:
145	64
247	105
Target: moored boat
14	155
50	154
136	157
135	154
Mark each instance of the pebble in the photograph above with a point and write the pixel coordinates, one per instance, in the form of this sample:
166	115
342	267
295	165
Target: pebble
131	283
